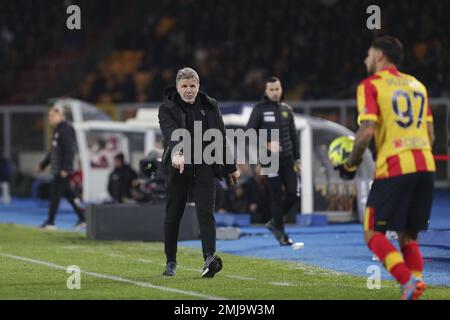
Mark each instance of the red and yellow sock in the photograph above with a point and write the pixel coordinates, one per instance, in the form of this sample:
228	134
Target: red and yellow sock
389	255
413	258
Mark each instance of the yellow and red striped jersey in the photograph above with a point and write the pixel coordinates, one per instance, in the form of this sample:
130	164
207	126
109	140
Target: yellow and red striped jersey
398	103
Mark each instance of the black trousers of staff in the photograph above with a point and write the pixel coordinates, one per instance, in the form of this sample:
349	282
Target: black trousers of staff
61	187
200	183
285	182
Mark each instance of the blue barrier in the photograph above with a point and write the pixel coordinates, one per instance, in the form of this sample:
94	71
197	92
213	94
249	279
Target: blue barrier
436	238
232	219
244	219
313	219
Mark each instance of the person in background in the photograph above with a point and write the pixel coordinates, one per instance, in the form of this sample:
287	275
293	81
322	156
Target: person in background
122	181
258	194
60	158
273	113
238	201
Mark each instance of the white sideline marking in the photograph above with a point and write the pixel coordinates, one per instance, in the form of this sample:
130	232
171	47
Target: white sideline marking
114	278
283	284
145	261
239	277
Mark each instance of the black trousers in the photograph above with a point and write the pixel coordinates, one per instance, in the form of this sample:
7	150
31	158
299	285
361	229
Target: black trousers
61	187
200	184
285	181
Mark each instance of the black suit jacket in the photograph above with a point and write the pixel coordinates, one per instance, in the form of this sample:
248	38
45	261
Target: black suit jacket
172	117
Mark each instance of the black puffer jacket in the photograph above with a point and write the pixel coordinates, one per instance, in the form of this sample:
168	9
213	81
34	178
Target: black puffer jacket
277	115
60	157
171	117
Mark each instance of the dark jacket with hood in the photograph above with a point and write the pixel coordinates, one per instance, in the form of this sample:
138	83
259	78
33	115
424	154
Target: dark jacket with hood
277	115
171	117
62	152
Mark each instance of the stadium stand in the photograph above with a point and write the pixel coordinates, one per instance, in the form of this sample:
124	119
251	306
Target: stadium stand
235	47
33	54
235	70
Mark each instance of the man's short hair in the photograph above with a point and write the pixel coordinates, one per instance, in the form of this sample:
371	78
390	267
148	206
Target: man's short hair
391	47
120	157
273	79
187	73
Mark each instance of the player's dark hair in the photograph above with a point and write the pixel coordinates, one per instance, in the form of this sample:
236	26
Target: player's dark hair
391	47
272	79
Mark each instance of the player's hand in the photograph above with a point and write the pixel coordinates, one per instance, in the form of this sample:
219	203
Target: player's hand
63	174
346	172
178	162
234	177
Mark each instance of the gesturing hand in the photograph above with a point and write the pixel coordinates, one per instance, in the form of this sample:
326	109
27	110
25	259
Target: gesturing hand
178	162
234	177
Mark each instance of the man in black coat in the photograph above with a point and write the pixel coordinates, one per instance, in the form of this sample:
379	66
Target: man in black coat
184	106
60	158
272	113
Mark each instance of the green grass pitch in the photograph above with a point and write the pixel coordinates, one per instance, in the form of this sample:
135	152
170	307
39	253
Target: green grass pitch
33	266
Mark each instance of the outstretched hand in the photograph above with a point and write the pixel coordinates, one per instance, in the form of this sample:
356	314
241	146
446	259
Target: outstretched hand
178	162
234	177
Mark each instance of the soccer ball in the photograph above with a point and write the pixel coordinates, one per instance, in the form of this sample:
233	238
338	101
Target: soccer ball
340	149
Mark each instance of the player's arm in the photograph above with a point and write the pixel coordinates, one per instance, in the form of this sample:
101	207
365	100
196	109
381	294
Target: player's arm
431	135
368	114
364	135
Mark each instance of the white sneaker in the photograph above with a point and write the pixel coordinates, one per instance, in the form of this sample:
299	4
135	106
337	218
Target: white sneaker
80	225
47	226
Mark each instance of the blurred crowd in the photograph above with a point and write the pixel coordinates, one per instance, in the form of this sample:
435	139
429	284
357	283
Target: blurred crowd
34	31
316	47
24	36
